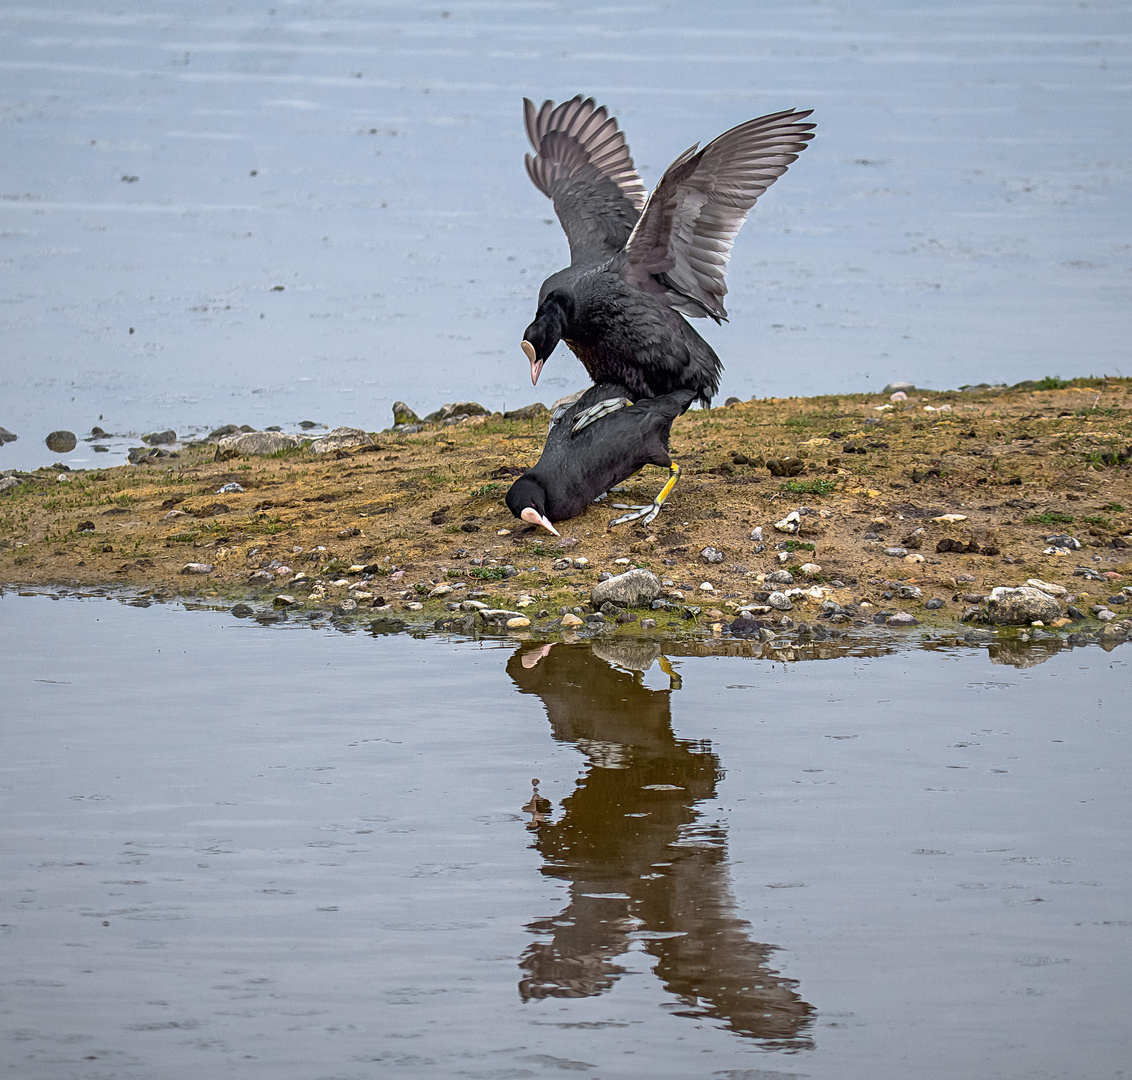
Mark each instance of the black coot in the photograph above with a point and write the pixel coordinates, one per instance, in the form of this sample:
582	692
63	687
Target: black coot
576	468
638	267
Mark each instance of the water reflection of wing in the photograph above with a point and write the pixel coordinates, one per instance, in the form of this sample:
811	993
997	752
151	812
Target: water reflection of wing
640	862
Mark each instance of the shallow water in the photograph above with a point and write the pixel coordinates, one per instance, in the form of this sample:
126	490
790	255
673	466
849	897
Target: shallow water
960	217
234	850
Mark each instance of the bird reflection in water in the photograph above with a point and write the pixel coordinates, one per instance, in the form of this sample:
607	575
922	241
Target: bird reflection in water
640	862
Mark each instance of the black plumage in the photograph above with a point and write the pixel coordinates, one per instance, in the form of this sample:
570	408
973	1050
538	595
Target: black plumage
576	468
638	266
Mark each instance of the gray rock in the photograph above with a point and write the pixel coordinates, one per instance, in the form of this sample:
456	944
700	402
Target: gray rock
934	604
341	438
229	489
711	555
527	412
636	588
975	637
61	442
345	607
160	438
144	455
563	564
219	433
1021	606
242	611
499	615
255	443
896	552
402	414
1063	542
780	601
8	483
892	387
973	614
831	607
757	534
197	568
260	577
454	409
648	624
284	601
758	549
910	592
7	436
780	577
1105	615
902	618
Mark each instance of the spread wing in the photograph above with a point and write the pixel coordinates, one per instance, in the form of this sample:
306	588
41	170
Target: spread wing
685	233
582	163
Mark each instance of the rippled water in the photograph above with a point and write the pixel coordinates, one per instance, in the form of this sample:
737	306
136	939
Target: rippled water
960	218
233	850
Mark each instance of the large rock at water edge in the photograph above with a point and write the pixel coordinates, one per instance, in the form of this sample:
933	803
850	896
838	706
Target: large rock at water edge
61	442
634	588
341	438
1021	606
255	443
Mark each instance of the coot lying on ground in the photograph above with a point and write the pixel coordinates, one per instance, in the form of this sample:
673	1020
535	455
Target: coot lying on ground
579	466
638	267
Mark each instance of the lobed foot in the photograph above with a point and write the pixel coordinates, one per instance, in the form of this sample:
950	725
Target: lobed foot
596	412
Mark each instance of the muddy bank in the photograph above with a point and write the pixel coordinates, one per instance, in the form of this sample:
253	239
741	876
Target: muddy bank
891	511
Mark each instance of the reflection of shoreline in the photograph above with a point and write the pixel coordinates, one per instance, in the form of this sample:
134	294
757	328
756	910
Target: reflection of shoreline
640	861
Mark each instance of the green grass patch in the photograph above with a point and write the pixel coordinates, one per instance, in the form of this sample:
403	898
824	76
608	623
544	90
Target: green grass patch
808	487
798	545
1097	519
485	489
1052	382
487	573
184	537
1113	507
1050	517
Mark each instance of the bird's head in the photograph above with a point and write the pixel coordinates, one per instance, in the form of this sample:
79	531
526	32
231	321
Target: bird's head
526	499
540	338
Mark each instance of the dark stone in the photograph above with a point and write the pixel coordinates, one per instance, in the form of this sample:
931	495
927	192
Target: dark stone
242	611
1075	613
306	425
934	604
7	436
160	438
527	412
439	518
470	527
387	625
61	442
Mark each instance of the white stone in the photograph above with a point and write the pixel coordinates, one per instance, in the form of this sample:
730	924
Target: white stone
440	590
789	524
706	586
1059	591
810	569
915	557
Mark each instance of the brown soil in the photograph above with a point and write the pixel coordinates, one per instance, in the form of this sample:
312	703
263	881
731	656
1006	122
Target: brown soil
1018	465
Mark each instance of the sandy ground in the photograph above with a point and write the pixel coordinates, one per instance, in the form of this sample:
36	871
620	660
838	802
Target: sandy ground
992	473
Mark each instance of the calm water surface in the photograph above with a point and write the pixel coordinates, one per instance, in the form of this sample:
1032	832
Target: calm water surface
961	216
231	850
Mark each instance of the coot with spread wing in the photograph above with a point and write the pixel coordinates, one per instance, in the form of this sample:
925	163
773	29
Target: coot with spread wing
637	265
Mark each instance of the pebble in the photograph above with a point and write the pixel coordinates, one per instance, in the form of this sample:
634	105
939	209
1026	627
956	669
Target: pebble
581	562
934	604
232	488
711	555
347	607
780	577
902	618
706	586
620	562
411	605
648	624
1105	615
255	443
896	552
562	564
1021	606
631	589
520	622
7	436
757	534
810	569
914	557
160	438
440	590
341	438
780	601
570	619
283	600
199	568
909	592
1054	590
789	524
61	442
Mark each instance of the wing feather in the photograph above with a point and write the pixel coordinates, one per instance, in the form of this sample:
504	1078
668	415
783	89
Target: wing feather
582	163
686	231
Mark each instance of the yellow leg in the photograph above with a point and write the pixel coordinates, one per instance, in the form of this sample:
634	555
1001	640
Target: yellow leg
645	514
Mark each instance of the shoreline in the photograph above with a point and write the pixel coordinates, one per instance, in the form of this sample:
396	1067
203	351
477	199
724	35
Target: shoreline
882	509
